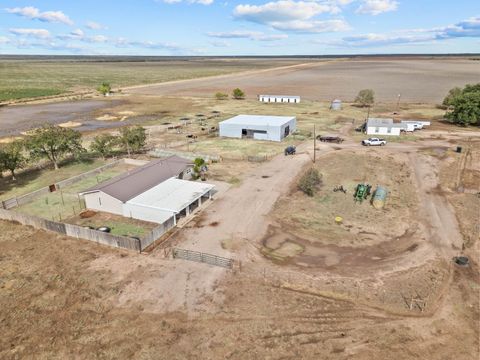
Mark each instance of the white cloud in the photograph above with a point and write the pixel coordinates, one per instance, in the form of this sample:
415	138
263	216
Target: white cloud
77	33
252	35
217	43
46	16
376	7
36	33
312	26
283	10
467	28
295	16
92	25
4	40
201	2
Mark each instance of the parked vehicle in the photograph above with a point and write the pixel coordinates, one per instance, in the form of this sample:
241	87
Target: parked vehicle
374	142
290	150
336	139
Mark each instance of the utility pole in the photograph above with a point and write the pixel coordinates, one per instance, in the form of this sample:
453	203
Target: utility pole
398	102
314	145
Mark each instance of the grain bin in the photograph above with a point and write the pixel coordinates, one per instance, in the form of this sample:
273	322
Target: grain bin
379	197
336	105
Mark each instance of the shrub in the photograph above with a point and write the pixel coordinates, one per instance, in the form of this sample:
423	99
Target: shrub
238	94
221	96
310	181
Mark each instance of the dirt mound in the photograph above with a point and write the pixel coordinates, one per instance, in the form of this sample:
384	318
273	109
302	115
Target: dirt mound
87	214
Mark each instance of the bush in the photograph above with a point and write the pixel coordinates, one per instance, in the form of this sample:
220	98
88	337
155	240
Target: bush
365	97
310	182
221	96
238	94
104	88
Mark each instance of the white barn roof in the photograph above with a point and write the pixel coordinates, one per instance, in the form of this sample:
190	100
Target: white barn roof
281	96
172	195
253	120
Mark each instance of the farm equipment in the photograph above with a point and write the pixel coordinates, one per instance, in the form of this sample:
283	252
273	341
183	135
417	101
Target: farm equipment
362	192
339	188
290	150
330	139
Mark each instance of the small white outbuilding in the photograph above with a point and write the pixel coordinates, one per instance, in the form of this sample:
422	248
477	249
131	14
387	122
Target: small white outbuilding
259	127
279	99
382	126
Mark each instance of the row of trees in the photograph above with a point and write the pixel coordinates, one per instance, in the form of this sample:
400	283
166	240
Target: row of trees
237	94
56	143
463	105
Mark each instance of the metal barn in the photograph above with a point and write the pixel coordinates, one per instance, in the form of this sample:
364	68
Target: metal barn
259	127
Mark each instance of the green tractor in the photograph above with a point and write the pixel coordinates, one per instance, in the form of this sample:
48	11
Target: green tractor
362	192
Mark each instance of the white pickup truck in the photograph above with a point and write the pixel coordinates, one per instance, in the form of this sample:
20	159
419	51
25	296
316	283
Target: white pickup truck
374	142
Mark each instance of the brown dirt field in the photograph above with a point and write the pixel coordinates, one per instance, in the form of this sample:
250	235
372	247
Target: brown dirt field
418	80
56	304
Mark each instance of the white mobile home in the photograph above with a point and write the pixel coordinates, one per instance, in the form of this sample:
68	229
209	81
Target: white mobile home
259	127
381	126
279	99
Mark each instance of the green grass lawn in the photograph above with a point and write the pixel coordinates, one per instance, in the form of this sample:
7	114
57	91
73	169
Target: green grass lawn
32	180
32	78
65	202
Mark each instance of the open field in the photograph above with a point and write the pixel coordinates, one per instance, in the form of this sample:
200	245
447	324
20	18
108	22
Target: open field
29	78
417	80
65	203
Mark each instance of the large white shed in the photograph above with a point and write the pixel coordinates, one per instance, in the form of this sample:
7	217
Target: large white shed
279	99
259	127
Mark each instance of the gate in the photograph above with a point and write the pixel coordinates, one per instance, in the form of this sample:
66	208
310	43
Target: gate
202	257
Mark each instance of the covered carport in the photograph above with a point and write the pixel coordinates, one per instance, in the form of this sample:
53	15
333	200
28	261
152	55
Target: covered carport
172	198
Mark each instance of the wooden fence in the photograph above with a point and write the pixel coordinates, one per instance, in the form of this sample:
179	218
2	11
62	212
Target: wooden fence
202	257
184	154
157	233
75	231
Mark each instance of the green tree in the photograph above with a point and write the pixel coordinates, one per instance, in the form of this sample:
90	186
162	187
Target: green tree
452	94
12	157
104	144
104	88
465	109
365	97
133	139
221	96
310	181
54	143
197	167
238	94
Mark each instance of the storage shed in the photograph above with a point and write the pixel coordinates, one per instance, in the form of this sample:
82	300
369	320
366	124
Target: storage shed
382	126
279	99
336	105
259	127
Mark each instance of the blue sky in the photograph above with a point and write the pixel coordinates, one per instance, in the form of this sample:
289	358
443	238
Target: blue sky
240	27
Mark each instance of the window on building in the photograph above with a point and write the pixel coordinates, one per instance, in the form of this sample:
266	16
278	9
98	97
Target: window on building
389	130
377	130
99	201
